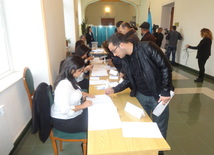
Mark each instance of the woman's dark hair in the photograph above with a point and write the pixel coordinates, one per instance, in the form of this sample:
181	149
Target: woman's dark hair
69	67
88	29
82	50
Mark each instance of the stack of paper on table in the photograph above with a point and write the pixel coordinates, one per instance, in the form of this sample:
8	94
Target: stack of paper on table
103	114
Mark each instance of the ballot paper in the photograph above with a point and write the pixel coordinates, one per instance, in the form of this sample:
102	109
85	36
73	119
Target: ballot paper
141	130
102	114
97	82
94	78
100	87
160	107
113	84
134	110
113	72
113	77
99	73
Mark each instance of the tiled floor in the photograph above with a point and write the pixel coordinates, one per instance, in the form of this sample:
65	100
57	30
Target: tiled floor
191	123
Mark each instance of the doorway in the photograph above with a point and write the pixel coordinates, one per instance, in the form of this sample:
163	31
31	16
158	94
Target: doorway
167	20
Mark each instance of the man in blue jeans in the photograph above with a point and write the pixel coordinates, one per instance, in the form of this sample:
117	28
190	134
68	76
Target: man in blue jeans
148	74
172	38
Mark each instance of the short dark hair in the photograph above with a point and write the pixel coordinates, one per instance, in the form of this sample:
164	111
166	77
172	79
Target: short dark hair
117	38
174	27
79	42
81	50
125	24
118	23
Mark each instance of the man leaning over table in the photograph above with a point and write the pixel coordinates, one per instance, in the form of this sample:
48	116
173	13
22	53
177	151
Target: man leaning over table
148	72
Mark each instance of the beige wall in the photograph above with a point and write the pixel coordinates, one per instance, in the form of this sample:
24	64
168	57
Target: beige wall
119	10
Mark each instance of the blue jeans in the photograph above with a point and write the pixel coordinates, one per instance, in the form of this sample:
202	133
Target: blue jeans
171	49
149	103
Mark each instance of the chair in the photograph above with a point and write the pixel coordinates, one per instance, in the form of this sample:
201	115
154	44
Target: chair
28	84
62	136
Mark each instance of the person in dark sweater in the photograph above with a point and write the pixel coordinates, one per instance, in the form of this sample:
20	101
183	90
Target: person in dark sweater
172	37
203	53
146	35
159	36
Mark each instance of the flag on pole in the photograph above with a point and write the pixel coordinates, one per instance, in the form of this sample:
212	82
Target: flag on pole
149	20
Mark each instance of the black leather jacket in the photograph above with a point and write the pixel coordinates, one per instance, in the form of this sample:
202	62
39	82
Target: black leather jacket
154	68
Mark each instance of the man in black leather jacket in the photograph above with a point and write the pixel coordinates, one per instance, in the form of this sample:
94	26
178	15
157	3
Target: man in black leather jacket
148	72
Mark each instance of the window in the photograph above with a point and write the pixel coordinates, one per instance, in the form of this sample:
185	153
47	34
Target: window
5	63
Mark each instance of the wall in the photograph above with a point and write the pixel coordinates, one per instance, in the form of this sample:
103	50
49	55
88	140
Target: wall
37	40
95	11
71	22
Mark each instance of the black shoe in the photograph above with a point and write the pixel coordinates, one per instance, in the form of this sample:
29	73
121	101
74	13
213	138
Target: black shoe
198	80
160	153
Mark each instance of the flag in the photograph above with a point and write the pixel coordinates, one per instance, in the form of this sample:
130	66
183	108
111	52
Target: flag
149	20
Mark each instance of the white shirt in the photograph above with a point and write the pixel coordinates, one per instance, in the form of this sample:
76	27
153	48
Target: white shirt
81	77
66	97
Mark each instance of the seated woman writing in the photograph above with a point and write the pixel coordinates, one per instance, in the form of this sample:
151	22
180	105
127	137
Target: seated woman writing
69	111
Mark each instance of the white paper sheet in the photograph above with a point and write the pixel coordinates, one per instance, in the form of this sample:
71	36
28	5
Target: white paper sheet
101	87
97	82
113	77
99	73
160	107
113	72
94	78
113	84
103	114
141	129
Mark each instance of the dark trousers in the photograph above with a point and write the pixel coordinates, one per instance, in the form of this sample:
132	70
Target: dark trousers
149	103
201	64
77	124
171	49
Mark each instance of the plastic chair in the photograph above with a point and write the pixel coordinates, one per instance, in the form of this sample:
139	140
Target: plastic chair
28	84
63	136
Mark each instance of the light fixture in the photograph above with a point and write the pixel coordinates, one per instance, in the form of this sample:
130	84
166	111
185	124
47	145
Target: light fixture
107	9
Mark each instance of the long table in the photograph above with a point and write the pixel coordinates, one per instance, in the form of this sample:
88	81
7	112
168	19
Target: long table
111	141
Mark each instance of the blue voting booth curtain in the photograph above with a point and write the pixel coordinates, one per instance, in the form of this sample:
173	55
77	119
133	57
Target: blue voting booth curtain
102	33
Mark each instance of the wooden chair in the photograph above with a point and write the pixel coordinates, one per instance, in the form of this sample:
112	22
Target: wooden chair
66	137
28	84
